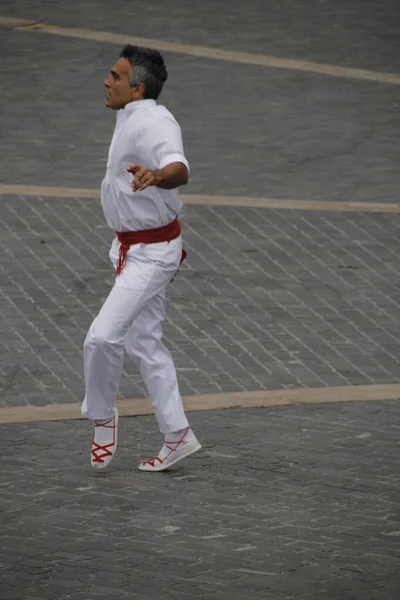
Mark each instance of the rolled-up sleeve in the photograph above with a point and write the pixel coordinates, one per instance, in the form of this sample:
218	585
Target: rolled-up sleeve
161	144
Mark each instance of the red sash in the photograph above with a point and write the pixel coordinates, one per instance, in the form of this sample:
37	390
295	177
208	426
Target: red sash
167	233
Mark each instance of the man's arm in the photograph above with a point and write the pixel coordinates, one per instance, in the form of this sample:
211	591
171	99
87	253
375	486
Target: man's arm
172	176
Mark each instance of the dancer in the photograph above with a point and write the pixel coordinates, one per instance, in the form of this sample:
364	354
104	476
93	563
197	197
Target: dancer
146	254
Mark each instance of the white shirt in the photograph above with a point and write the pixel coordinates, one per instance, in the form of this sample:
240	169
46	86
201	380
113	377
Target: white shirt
145	134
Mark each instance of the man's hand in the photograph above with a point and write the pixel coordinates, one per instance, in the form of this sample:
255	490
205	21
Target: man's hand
143	177
170	177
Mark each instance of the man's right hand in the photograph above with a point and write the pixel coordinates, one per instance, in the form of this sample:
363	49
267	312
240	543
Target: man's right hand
143	177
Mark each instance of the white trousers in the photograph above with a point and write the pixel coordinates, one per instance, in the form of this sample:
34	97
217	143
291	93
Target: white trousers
131	319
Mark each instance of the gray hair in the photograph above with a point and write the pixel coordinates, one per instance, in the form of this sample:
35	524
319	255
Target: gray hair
140	74
148	67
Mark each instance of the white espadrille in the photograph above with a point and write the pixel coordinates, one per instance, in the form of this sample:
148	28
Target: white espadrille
172	452
104	444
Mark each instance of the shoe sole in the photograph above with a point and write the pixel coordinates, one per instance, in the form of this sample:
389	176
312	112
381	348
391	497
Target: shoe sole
104	465
172	463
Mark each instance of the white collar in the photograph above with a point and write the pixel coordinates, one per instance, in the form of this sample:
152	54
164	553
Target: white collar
131	106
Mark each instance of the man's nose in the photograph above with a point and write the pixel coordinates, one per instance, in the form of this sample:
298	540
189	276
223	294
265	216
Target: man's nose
106	83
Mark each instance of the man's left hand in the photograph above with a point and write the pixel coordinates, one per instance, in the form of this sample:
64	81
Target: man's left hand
143	177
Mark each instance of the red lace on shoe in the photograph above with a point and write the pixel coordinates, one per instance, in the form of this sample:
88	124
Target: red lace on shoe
98	458
153	462
171	450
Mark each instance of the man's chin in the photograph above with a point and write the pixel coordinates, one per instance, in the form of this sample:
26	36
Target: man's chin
108	104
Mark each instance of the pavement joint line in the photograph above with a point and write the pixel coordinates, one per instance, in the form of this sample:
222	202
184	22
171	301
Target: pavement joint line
217	53
217	200
14	22
223	401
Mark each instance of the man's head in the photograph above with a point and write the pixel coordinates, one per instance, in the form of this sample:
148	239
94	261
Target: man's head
138	74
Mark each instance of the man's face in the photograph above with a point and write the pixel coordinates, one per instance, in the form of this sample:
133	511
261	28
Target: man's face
119	91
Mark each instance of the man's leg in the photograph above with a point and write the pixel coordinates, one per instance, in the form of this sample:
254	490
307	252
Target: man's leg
104	348
144	343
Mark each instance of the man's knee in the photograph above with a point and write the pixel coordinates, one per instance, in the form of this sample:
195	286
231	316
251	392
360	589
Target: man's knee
102	337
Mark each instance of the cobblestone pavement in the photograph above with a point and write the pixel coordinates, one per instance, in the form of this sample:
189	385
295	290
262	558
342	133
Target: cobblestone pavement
268	299
282	503
248	130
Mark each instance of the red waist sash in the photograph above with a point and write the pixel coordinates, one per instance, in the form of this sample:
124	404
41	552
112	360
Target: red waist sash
167	233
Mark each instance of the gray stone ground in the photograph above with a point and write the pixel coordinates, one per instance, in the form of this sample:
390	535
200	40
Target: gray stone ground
248	130
283	503
267	299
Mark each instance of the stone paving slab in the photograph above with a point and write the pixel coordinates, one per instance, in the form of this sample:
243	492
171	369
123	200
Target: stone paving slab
281	503
248	130
360	34
267	299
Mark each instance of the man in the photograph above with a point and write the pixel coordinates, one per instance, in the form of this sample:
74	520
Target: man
146	254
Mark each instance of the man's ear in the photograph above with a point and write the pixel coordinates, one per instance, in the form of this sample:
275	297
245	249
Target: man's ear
138	91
